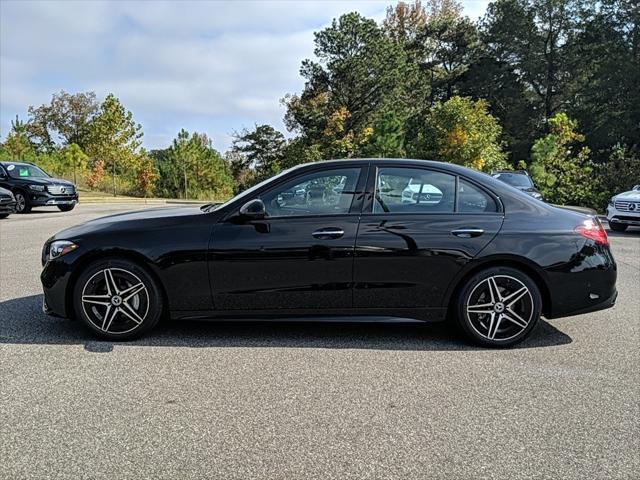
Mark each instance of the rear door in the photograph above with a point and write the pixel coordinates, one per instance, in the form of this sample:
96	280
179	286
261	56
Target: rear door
419	228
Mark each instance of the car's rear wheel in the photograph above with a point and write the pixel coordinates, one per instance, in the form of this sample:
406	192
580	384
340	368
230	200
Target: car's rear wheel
617	227
3	215
22	203
117	299
66	208
498	307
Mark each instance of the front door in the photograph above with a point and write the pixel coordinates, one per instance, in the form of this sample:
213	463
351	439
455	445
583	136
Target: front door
300	256
417	232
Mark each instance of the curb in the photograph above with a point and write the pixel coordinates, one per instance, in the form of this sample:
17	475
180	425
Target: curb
143	201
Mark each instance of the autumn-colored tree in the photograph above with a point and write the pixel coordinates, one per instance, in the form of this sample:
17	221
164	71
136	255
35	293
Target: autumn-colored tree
95	178
145	175
462	131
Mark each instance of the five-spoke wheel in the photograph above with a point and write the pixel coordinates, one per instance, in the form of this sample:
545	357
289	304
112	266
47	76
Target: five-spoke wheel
117	299
499	306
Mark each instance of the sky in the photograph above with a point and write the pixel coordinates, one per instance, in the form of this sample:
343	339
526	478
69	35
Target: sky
214	67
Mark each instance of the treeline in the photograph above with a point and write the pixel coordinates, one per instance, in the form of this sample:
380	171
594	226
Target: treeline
548	85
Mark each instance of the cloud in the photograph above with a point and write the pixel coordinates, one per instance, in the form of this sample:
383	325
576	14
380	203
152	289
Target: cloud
209	66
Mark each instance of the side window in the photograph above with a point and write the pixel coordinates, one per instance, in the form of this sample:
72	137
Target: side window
409	190
471	199
320	193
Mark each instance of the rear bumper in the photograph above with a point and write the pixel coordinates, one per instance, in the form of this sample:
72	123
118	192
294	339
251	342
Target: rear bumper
585	284
608	303
7	207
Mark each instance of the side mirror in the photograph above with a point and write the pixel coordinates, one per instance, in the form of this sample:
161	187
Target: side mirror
253	209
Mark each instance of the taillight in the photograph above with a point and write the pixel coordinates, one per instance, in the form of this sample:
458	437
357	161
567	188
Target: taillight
593	230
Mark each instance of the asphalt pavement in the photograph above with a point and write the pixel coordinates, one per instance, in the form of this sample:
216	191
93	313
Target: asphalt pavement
243	401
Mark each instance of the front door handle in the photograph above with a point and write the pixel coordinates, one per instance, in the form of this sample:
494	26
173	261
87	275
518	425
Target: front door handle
467	232
328	233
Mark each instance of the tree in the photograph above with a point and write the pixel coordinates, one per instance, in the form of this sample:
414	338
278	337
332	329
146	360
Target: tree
68	116
17	144
534	37
74	159
446	45
146	175
462	131
114	137
360	72
387	138
192	168
561	168
262	150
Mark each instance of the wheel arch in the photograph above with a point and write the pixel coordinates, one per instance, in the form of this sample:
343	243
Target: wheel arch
81	264
512	261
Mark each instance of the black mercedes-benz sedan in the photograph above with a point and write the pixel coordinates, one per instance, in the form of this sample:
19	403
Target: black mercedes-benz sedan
346	239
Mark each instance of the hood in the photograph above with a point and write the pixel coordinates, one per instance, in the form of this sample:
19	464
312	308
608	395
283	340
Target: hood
141	219
630	196
47	181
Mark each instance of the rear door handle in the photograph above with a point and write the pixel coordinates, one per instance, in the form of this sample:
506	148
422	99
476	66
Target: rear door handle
328	233
467	232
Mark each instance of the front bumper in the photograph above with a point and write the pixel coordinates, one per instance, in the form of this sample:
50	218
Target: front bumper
45	199
623	217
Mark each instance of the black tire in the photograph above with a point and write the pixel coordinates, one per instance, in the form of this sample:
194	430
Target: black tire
111	318
493	310
4	215
617	227
66	208
22	202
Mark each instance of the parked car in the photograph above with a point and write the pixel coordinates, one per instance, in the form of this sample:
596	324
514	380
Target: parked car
417	192
624	210
33	187
486	256
7	203
519	179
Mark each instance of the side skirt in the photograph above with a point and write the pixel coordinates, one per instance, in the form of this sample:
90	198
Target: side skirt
366	315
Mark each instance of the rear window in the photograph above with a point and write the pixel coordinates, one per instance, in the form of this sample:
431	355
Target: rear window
514	179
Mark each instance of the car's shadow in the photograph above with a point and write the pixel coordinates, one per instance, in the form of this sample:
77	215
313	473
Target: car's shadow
22	322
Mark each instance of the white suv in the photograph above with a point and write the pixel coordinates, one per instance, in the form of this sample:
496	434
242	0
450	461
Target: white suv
624	210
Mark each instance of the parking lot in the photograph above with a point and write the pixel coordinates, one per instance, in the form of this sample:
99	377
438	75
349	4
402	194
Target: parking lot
224	400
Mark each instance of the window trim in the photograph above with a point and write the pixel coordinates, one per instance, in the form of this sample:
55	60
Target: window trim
372	184
355	208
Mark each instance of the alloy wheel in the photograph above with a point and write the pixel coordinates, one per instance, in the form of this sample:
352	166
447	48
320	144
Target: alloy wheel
115	300
21	202
500	307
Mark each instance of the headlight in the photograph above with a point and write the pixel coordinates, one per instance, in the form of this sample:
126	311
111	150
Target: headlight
37	188
611	200
61	247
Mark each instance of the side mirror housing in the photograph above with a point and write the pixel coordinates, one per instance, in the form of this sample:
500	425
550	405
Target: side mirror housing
253	210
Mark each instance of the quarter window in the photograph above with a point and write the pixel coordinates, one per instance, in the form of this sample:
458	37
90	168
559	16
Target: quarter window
472	199
409	190
321	193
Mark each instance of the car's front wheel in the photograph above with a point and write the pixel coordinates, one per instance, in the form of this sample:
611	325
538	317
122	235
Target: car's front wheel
498	307
617	227
117	299
66	208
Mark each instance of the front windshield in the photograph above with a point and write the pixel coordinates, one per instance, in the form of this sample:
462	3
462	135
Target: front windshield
247	192
514	179
25	171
